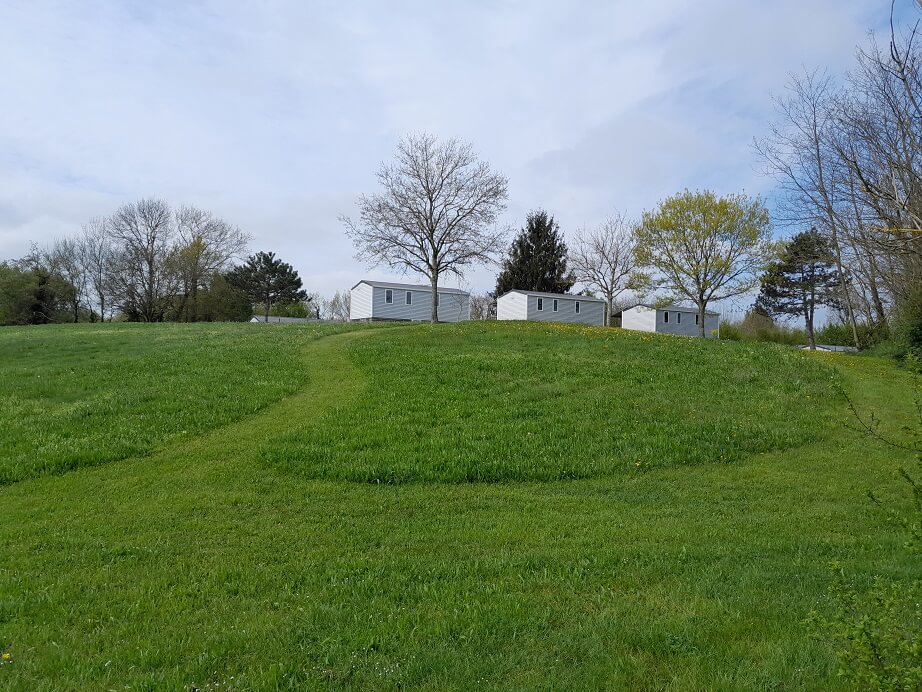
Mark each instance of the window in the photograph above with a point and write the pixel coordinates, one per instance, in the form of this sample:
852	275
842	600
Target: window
678	318
666	317
541	303
577	307
388	295
696	318
409	297
555	305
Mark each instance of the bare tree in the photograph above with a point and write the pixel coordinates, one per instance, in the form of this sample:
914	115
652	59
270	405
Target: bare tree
604	259
143	274
799	152
337	307
483	306
434	213
64	258
96	250
207	245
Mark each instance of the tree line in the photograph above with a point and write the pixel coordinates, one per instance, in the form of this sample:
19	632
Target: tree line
150	262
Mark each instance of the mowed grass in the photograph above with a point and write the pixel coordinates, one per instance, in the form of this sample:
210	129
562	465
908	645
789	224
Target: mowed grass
473	402
80	395
206	564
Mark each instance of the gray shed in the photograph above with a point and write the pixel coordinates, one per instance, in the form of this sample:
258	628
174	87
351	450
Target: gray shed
667	319
386	301
550	307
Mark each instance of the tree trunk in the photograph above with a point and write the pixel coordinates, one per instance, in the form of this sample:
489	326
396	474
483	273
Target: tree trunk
702	306
435	298
808	321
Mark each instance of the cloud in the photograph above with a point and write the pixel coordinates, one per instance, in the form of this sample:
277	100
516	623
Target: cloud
275	115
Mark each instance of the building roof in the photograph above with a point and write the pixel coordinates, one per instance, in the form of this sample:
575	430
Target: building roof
588	299
410	287
673	308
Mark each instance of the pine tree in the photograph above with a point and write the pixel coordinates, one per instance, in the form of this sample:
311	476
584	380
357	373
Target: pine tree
266	280
537	260
803	277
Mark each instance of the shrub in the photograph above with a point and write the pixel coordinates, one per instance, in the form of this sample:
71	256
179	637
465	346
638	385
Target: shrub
839	334
757	326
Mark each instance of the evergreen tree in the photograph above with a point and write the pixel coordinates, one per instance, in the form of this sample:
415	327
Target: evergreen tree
537	260
266	280
803	277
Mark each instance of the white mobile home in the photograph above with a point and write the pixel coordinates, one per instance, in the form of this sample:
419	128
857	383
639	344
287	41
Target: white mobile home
667	319
382	300
550	307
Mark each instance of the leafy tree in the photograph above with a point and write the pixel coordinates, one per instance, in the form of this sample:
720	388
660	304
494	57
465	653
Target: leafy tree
705	248
266	280
434	213
537	259
803	277
32	296
221	302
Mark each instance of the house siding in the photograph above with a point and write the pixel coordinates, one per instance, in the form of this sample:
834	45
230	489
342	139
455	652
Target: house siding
453	307
521	305
360	302
512	306
685	327
642	318
590	312
639	318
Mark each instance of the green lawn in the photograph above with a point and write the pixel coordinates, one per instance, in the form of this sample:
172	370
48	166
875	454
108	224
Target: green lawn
328	539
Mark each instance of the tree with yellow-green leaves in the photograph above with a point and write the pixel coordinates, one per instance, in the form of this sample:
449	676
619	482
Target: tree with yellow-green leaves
704	248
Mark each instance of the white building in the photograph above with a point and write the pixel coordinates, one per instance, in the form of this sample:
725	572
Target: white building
667	319
381	300
550	307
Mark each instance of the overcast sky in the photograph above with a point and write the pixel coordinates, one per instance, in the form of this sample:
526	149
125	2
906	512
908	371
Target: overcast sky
275	115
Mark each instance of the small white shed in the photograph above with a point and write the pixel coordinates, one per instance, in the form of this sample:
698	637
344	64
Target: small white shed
550	307
667	319
386	301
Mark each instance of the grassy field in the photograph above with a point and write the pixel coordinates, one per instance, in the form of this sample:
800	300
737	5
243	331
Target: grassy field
649	512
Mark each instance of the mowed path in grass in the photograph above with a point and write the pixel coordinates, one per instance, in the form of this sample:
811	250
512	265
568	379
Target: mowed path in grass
211	563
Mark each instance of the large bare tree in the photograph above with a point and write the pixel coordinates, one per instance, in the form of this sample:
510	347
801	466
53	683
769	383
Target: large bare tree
143	268
435	212
97	252
604	259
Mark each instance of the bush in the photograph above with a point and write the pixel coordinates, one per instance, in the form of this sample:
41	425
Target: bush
757	326
869	335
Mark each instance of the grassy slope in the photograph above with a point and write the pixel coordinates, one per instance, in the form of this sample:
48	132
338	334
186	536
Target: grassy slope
206	565
80	395
534	402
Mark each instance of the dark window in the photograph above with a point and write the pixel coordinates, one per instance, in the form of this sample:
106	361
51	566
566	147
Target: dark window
577	307
666	317
678	318
541	303
388	296
409	297
696	318
555	305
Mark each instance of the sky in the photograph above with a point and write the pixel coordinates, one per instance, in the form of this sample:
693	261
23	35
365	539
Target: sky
275	115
